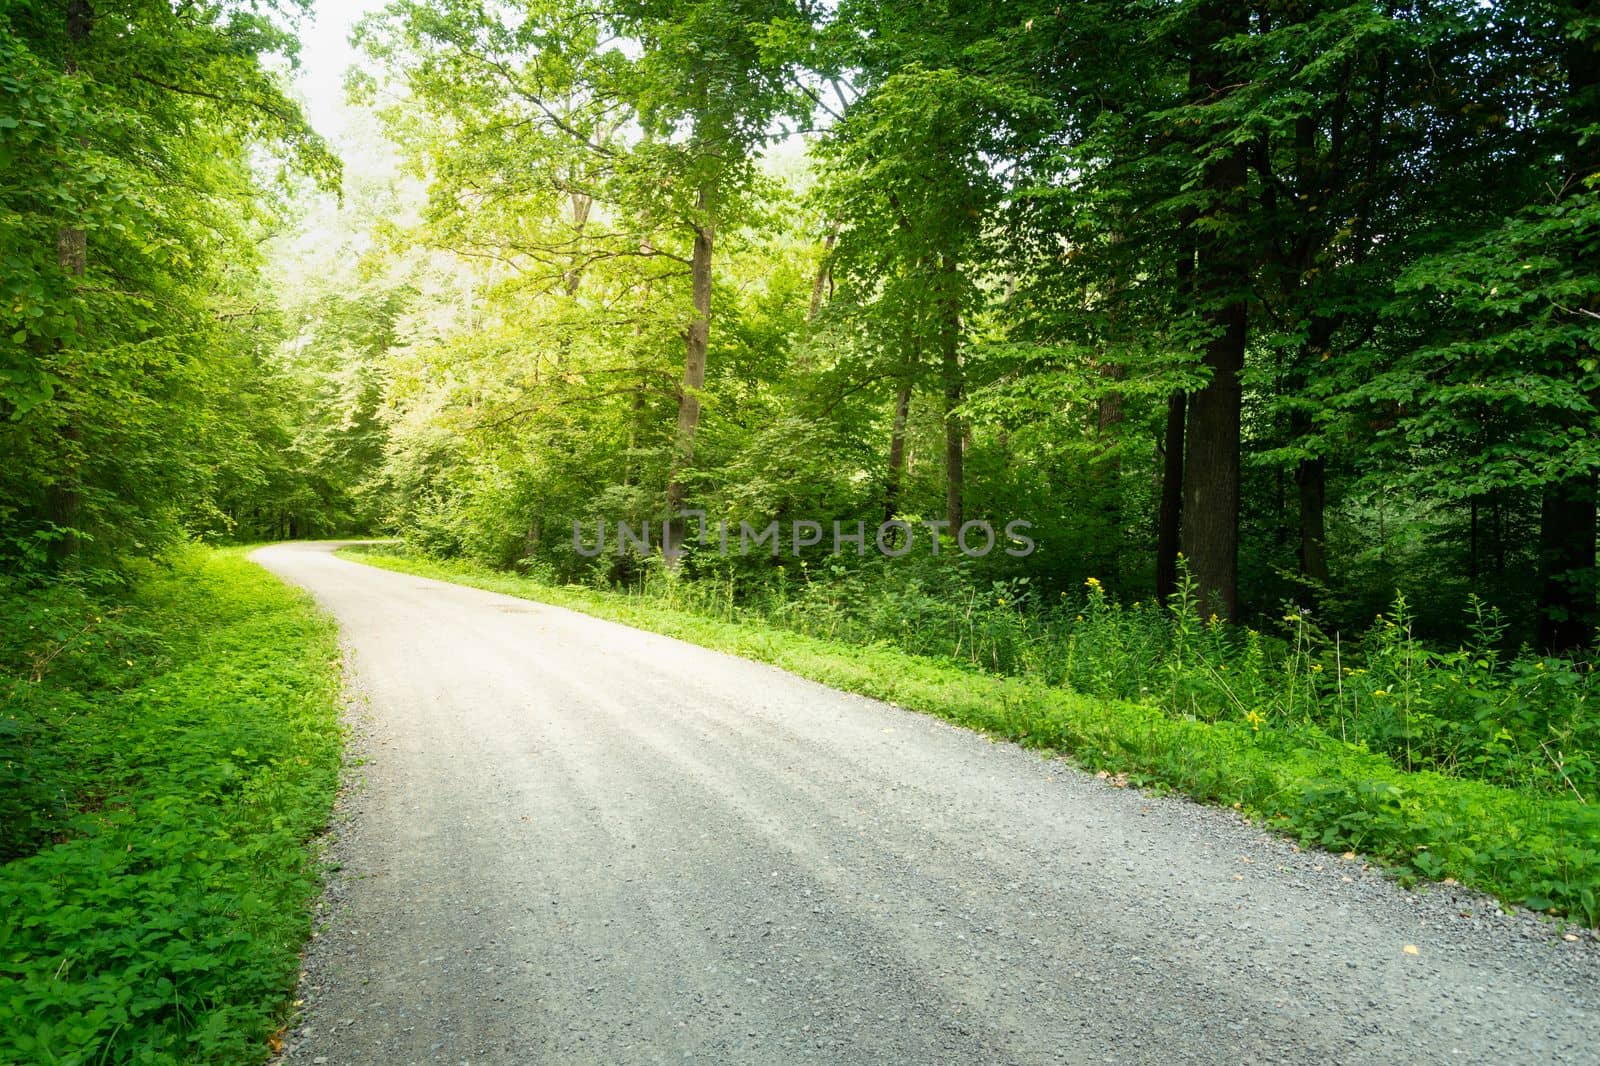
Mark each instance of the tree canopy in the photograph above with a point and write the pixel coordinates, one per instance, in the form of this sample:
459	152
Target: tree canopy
1293	297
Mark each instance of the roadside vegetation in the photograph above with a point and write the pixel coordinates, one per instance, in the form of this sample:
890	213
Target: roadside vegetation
168	753
1460	764
1255	315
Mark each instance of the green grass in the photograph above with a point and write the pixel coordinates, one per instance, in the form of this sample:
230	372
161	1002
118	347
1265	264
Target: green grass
1526	848
167	760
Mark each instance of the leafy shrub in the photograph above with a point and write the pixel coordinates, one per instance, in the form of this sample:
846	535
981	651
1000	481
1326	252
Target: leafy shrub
172	755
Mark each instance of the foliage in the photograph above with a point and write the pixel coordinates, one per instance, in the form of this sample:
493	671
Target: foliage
166	757
131	323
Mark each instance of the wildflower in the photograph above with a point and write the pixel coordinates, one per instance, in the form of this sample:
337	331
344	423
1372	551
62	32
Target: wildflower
1080	618
1093	583
1379	693
1538	666
1255	718
1000	601
1316	668
1136	605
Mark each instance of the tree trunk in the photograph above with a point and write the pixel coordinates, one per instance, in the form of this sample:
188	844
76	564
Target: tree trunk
954	431
1210	533
1311	474
72	256
1110	412
1167	520
696	340
824	279
897	452
1311	479
635	416
1567	565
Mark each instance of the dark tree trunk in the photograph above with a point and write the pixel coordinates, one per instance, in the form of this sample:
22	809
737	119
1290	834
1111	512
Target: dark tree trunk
696	340
1311	479
897	452
1110	412
1210	531
1311	474
65	501
1472	539
954	431
1169	517
1567	565
1167	520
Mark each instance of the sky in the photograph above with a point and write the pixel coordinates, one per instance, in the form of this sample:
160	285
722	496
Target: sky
325	52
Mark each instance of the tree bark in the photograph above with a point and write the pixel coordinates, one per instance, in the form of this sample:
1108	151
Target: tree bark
1110	412
897	452
954	431
696	339
824	279
1311	480
1210	531
1311	474
65	502
1567	565
1167	519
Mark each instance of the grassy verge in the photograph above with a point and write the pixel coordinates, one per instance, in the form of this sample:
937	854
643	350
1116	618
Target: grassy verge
1539	851
165	762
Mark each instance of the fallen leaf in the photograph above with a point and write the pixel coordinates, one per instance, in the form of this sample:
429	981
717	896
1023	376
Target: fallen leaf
1570	936
1410	949
1348	855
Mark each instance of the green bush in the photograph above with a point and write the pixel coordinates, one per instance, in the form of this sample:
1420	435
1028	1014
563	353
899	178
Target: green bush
167	760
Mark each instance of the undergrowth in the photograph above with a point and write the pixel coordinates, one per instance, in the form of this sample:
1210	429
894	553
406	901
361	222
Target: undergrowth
1440	764
166	756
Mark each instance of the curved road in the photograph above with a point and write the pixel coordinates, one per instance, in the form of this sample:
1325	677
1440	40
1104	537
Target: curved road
571	841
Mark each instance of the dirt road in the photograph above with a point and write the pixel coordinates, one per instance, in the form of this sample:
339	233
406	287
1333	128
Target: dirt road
576	842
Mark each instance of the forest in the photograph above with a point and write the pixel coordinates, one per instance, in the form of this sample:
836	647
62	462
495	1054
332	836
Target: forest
1275	325
1298	294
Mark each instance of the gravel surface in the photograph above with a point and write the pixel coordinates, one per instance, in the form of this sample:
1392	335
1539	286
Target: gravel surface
564	840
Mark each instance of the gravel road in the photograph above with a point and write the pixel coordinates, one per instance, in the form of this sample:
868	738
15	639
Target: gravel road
564	840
